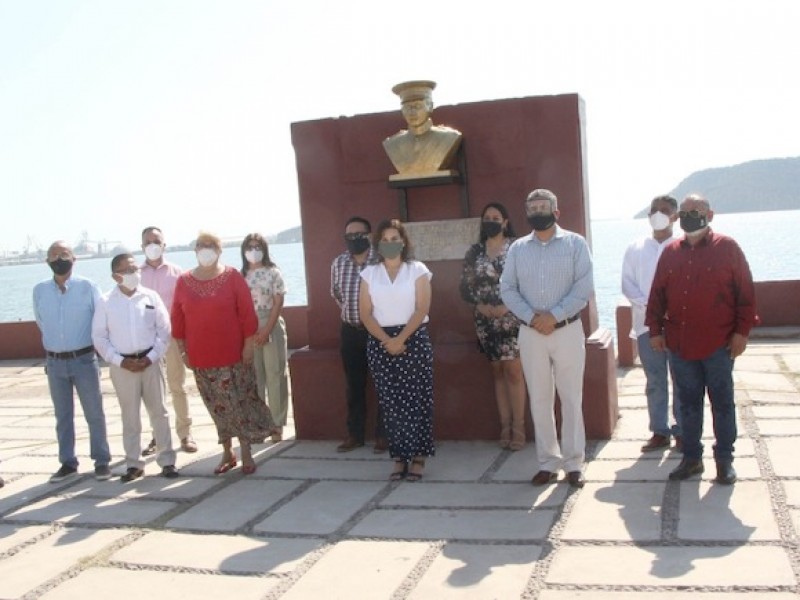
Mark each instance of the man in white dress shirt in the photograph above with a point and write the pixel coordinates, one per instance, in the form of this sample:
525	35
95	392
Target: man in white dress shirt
131	331
638	269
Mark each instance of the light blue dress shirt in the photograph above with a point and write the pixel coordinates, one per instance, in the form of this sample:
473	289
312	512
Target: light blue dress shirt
553	276
65	319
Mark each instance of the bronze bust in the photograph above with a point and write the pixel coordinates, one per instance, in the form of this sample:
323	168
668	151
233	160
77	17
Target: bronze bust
424	149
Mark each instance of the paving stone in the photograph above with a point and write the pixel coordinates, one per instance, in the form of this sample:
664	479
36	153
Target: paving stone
381	568
321	509
774	397
34	565
783	455
466	461
464	524
474	495
364	470
478	571
641	468
25	489
618	511
519	466
95	511
326	449
774	382
234	506
718	512
14	535
792	489
748	363
777	427
633	424
226	553
656	595
150	486
781	411
121	584
670	566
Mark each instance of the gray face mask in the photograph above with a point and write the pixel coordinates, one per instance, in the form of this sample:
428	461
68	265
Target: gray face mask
390	249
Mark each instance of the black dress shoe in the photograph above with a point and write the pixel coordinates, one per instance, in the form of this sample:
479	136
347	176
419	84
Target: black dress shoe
170	472
575	479
686	469
543	478
726	474
131	474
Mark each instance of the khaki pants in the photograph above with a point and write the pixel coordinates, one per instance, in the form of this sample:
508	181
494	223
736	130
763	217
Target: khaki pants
132	389
176	379
272	373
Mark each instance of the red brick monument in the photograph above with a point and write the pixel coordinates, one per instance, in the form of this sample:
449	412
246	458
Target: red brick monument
509	147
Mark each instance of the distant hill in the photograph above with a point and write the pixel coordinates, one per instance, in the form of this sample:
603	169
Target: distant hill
771	184
290	236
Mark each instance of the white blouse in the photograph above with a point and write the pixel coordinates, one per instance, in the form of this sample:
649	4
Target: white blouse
393	302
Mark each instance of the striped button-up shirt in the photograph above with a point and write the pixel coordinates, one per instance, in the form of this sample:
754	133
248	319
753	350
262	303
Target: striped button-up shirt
553	276
345	282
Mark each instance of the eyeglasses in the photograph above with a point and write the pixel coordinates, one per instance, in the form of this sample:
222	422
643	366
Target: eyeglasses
694	214
356	236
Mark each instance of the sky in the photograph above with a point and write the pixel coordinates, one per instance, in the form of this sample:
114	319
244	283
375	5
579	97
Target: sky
115	115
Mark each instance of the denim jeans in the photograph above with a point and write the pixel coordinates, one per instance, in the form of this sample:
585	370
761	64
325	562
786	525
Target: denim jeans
82	374
694	377
656	367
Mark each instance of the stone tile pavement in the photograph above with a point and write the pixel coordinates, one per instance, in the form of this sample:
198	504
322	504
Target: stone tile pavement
312	523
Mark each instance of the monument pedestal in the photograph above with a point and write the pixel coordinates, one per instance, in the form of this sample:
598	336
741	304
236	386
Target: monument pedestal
513	146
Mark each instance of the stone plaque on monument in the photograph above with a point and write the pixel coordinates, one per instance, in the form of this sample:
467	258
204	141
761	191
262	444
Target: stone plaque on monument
443	240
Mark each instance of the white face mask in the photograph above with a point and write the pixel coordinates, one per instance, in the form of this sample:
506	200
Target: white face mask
207	257
659	221
153	251
131	280
254	256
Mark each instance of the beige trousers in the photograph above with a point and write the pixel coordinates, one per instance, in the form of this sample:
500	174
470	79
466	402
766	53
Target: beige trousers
272	373
176	380
556	362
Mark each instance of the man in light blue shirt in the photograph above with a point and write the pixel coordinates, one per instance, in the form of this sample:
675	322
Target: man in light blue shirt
64	307
546	283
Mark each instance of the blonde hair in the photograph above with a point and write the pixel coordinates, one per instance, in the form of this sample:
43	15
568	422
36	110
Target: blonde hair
206	237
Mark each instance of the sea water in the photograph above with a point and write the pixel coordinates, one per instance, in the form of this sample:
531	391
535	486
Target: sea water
767	238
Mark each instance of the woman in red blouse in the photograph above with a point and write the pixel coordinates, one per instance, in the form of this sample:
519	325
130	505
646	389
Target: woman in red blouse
213	322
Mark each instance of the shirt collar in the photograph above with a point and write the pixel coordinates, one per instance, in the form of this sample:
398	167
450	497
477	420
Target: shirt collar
531	237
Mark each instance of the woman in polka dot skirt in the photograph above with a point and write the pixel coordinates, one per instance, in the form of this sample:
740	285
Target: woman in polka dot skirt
394	300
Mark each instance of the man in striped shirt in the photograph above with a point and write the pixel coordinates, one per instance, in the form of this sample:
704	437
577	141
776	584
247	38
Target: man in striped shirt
546	283
345	282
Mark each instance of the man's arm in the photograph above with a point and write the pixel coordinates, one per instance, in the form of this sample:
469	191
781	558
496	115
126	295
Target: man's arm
582	288
509	288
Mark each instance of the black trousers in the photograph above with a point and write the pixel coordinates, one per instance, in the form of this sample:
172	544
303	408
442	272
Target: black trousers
353	348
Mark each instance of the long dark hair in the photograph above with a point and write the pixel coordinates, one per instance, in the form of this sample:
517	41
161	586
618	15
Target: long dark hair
406	254
508	230
258	238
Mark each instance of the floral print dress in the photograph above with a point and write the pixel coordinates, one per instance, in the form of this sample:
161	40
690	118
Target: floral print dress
480	284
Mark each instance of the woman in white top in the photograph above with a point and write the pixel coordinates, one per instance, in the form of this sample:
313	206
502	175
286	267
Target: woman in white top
394	300
271	358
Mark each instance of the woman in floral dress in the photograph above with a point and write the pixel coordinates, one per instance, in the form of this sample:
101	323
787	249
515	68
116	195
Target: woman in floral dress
271	358
495	325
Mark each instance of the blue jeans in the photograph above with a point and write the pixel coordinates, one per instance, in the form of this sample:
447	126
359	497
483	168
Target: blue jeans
82	374
656	367
693	378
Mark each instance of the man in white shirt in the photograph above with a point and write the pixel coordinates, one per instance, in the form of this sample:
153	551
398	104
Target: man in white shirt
638	269
161	276
131	331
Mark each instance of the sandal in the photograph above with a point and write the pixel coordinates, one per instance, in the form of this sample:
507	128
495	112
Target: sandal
517	438
400	470
505	435
415	474
225	466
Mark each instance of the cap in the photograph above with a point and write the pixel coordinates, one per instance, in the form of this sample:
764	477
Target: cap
414	90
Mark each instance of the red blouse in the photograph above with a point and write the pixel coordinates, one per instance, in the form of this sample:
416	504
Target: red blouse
214	317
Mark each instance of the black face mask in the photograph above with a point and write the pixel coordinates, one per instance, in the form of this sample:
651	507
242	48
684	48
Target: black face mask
491	228
358	245
691	224
60	266
541	222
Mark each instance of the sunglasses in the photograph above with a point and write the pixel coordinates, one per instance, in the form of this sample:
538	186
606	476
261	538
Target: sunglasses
694	214
356	236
